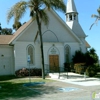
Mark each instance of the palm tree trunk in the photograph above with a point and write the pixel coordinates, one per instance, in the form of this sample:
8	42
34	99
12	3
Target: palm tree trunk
41	41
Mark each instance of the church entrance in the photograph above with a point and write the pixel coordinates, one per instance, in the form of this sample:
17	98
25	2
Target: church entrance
54	63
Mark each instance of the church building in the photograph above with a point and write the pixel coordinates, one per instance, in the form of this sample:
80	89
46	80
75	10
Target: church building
60	41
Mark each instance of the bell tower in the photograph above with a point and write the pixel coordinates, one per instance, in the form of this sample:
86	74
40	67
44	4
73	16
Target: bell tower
71	11
72	19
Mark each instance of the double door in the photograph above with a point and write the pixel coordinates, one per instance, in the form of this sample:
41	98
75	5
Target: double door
54	63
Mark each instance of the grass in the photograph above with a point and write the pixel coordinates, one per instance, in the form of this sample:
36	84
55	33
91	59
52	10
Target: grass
13	89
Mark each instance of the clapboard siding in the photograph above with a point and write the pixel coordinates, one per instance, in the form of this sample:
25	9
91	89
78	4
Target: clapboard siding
6	60
21	55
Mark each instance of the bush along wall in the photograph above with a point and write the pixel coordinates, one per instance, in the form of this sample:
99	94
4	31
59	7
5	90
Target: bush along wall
79	68
89	59
25	72
91	71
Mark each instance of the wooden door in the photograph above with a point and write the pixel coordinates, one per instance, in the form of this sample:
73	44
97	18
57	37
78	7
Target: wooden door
54	63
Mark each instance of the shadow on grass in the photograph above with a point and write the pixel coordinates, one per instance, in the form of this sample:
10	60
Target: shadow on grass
7	77
13	91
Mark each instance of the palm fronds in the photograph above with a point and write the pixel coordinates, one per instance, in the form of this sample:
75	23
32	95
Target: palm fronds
17	11
96	16
44	17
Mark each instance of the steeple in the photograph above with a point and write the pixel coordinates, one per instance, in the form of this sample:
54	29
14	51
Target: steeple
72	19
71	11
71	6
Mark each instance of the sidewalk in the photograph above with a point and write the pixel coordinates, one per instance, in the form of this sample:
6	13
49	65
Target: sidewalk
66	89
77	79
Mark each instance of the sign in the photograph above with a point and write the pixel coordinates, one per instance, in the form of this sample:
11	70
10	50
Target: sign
28	58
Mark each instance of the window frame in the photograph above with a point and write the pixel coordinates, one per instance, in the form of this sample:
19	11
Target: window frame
33	53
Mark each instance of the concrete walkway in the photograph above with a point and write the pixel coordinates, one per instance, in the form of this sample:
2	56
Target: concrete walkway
77	79
53	91
76	87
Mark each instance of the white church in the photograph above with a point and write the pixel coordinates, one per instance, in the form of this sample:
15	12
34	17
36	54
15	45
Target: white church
60	41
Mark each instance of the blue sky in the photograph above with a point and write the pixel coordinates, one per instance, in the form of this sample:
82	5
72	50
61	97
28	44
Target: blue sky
85	9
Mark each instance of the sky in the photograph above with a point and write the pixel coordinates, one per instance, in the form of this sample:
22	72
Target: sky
84	8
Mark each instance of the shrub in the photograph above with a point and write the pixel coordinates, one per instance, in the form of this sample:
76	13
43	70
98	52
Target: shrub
91	57
98	69
91	70
25	72
67	67
79	57
79	68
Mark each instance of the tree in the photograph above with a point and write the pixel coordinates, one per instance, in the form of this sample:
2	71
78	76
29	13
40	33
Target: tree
91	57
17	25
37	11
79	57
5	31
96	16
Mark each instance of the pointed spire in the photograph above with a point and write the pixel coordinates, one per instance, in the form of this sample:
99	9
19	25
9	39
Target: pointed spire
71	6
72	19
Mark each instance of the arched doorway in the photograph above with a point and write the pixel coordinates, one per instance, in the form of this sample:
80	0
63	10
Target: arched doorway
53	59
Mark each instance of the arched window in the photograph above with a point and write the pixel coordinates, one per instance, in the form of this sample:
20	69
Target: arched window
30	51
67	54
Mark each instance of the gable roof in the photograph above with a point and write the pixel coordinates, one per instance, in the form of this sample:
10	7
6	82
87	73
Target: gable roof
5	39
64	23
76	28
20	30
87	44
18	33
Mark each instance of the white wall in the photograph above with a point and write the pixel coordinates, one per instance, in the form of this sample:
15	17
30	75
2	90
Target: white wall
60	47
21	55
6	60
55	30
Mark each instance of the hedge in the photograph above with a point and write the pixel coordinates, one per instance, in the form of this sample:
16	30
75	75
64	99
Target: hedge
25	72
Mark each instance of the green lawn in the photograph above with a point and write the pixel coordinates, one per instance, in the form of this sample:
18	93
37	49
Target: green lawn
12	88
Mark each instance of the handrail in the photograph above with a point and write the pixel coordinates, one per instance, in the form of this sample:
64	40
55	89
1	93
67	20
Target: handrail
55	70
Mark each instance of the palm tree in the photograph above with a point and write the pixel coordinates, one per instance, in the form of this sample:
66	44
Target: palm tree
16	25
6	31
96	16
37	11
